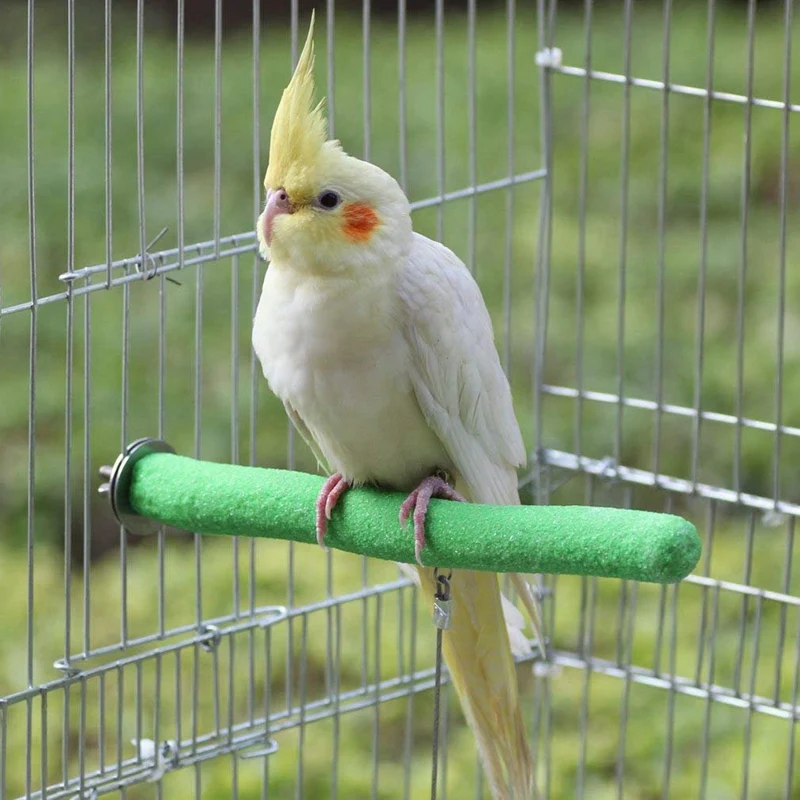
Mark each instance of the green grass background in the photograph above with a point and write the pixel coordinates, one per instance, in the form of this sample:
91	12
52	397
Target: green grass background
202	332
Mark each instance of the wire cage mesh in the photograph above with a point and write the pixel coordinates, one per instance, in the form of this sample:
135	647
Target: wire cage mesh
620	179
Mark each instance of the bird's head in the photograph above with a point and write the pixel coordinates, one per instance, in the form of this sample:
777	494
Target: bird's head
326	212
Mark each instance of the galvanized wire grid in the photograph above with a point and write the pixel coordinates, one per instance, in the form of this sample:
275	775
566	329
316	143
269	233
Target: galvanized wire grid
165	679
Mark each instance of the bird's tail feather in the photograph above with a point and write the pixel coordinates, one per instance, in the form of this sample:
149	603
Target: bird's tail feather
476	649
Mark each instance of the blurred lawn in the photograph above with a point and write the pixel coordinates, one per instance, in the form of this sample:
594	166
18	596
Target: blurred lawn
201	334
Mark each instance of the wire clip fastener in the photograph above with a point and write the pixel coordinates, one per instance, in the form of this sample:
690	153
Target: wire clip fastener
549	57
164	755
442	604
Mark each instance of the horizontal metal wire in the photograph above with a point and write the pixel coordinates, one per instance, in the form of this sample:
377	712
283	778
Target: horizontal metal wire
681	685
242	736
674	88
669	408
608	469
166	261
211	630
259	732
744	589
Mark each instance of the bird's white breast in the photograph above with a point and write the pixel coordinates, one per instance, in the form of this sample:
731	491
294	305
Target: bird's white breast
334	351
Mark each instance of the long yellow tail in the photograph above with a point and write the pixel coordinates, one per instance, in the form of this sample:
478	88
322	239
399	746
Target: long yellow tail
478	655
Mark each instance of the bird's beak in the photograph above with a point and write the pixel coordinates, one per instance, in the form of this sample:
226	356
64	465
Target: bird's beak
277	203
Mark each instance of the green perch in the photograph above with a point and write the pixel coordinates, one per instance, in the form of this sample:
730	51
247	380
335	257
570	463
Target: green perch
150	483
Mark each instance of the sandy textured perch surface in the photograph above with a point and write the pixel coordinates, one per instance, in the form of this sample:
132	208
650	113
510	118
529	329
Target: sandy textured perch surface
224	499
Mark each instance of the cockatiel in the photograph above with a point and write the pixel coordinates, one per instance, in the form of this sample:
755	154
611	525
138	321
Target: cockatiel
379	344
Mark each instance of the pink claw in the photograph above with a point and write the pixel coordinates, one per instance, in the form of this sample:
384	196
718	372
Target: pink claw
418	500
328	497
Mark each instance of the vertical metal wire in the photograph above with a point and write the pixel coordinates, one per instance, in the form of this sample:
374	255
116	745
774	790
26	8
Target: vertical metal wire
330	12
217	123
234	420
542	274
32	355
162	414
583	190
366	55
622	279
401	92
198	383
509	192
198	398
32	365
70	329
231	669
178	698
624	660
101	722
120	718
43	766
329	555
82	737
786	588
670	732
585	649
366	72
440	118
337	688
409	722
301	727
788	787
123	541
195	695
782	206
748	728
253	372
66	739
157	709
137	688
472	123
88	482
712	662
545	31
267	703
662	238
744	613
181	13
703	265
215	698
140	132
107	140
290	597
711	507
742	275
376	711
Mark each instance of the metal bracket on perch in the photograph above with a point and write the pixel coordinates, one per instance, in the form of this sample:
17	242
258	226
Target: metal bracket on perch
150	485
118	483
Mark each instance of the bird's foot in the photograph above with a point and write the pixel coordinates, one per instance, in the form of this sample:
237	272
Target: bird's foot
417	502
328	497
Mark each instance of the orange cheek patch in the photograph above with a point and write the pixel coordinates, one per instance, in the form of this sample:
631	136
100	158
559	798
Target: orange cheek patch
360	220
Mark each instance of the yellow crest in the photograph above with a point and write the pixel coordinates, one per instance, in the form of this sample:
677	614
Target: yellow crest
299	129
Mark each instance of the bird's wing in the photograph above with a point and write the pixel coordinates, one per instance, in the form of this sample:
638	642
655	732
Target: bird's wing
303	430
456	373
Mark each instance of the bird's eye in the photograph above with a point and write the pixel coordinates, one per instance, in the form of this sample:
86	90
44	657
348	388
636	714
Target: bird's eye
329	200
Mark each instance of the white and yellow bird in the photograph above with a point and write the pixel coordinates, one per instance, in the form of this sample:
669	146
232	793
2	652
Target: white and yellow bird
379	343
